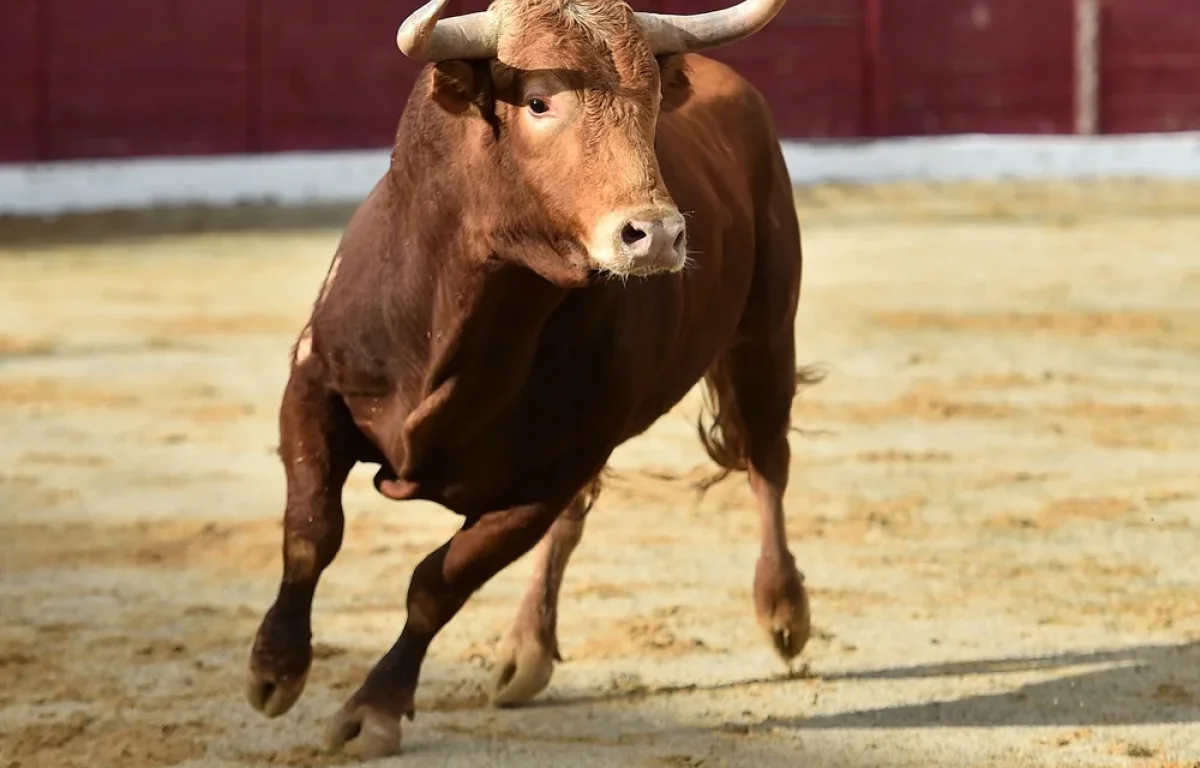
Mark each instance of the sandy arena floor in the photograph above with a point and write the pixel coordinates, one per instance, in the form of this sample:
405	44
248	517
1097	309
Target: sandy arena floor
997	506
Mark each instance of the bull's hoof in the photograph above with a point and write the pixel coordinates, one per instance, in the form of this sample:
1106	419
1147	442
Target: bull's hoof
273	694
279	665
363	731
789	636
782	606
524	666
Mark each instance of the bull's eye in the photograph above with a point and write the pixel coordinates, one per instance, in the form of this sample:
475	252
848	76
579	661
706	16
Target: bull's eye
538	106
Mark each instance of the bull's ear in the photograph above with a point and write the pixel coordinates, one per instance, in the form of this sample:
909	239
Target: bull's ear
457	85
676	86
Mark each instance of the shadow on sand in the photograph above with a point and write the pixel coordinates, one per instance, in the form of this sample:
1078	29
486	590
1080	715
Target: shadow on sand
161	221
1141	685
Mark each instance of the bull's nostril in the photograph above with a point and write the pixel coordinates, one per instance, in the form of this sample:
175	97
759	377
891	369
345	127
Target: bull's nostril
631	234
679	240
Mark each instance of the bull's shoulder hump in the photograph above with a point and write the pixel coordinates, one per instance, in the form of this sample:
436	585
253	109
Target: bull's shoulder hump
712	78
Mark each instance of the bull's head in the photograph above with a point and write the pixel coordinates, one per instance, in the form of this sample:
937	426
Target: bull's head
570	93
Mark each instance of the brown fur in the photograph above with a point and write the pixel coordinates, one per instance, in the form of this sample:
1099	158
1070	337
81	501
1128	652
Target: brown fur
470	348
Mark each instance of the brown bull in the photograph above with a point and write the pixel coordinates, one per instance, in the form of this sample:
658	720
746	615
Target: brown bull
582	219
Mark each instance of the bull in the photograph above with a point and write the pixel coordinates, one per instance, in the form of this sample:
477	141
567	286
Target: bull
582	219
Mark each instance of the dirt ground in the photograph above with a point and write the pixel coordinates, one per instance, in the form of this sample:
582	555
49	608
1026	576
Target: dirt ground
996	502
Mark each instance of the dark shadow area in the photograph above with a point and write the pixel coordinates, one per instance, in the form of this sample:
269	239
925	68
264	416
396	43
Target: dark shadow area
145	223
1153	684
39	350
32	231
617	736
551	700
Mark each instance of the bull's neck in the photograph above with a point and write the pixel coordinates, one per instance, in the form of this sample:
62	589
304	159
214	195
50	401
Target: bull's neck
485	313
430	161
448	201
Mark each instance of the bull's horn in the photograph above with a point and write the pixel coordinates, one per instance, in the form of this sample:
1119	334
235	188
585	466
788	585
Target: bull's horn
425	36
671	33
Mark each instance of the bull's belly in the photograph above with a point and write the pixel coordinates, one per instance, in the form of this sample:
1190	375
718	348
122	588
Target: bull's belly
560	423
537	451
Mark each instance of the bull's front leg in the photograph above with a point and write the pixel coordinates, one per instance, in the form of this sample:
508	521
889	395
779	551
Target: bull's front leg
369	722
525	661
317	439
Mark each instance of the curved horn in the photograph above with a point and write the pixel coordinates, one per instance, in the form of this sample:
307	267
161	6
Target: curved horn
424	37
671	33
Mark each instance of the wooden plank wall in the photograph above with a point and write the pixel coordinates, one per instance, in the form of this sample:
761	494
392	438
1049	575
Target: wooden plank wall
808	63
19	80
1149	65
144	77
1001	66
123	78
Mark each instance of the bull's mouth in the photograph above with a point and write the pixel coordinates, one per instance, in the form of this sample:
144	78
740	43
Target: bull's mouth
604	274
623	267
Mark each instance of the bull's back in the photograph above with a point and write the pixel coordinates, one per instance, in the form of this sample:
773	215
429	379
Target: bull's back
723	134
721	160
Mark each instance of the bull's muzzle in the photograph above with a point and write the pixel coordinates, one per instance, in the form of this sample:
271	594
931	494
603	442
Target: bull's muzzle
650	242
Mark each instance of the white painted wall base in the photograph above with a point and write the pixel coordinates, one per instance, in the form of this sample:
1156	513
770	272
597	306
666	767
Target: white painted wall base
345	177
984	157
291	178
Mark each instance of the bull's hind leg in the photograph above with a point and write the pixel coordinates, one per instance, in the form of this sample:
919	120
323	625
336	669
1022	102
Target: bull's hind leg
525	660
753	387
318	440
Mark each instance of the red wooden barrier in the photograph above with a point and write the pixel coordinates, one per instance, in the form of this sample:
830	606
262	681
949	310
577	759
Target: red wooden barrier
113	78
961	66
19	76
1150	71
331	76
808	63
144	77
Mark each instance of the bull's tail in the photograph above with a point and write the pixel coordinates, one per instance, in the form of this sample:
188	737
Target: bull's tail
724	437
